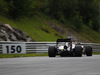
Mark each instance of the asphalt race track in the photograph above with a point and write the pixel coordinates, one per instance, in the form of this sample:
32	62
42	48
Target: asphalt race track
51	66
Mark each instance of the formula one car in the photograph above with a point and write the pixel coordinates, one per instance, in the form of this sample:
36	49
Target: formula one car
66	47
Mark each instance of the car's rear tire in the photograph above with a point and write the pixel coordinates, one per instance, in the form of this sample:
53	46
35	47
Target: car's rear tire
78	51
88	51
51	51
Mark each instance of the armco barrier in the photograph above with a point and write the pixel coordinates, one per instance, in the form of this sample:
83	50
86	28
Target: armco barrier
34	47
38	47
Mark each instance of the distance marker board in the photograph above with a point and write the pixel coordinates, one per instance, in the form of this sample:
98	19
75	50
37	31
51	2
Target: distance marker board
13	48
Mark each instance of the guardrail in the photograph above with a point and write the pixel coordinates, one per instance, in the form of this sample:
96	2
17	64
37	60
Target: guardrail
35	47
38	47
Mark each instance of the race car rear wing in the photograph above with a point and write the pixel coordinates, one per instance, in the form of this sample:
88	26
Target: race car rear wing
64	40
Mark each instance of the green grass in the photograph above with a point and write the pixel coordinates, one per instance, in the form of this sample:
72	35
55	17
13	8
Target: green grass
96	53
90	34
28	55
37	28
86	33
21	55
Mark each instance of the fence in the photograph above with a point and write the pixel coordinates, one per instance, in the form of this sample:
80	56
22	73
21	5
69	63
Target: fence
36	47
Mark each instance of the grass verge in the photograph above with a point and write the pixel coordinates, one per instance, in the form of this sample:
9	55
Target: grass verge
96	53
21	55
29	55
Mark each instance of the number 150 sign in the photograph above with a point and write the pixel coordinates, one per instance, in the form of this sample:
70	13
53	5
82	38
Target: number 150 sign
14	48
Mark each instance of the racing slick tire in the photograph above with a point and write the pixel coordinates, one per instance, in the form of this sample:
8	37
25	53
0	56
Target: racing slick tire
88	51
51	51
78	51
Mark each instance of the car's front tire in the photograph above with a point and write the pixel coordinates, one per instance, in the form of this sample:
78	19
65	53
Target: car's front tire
51	51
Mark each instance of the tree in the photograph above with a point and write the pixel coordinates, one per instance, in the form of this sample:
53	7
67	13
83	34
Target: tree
77	22
70	8
55	9
87	10
3	7
66	7
19	8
